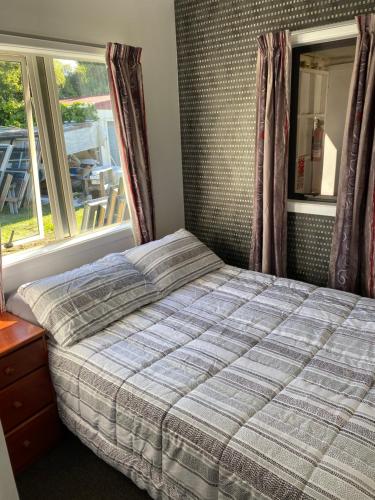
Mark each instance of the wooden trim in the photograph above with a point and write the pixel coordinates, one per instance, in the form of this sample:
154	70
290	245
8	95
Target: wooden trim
25	398
30	419
28	44
312	207
327	33
48	433
28	400
16	333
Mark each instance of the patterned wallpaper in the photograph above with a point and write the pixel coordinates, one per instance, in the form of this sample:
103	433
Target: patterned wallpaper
216	41
309	247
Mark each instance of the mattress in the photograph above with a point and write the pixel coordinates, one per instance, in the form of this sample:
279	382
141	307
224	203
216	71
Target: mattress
238	385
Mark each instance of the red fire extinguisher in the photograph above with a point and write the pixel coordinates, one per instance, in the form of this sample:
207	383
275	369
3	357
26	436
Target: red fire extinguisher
317	141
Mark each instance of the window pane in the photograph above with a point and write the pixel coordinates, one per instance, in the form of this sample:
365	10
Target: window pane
25	216
90	142
323	91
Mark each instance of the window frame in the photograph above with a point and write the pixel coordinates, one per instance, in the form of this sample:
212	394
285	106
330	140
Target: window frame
17	58
58	127
45	146
302	38
28	50
294	101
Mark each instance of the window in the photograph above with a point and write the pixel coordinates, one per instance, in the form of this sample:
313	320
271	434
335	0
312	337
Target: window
321	75
60	172
22	215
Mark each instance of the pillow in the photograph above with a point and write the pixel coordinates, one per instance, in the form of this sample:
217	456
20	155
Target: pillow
174	260
83	301
17	306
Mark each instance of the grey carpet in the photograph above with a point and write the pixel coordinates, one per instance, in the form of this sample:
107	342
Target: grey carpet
73	472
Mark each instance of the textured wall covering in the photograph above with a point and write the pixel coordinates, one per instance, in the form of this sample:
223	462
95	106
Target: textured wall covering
309	247
216	41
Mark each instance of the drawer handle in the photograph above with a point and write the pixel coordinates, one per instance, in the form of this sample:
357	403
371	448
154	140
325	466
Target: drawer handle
17	404
26	443
9	370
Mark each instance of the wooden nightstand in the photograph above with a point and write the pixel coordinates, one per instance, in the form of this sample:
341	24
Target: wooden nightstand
27	401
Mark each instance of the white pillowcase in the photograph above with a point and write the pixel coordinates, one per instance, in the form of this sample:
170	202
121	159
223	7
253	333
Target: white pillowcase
78	303
16	305
174	260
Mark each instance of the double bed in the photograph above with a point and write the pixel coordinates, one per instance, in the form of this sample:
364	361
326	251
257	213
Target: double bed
235	385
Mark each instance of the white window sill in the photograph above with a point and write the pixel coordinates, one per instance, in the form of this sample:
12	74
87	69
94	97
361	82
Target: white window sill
312	207
69	243
58	257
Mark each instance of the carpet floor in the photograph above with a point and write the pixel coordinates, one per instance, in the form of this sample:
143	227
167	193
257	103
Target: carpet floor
73	472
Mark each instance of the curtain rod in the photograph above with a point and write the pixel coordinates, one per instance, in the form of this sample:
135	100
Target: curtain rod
51	39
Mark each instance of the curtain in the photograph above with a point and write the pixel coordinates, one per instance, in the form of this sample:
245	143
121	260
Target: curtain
352	255
269	234
126	89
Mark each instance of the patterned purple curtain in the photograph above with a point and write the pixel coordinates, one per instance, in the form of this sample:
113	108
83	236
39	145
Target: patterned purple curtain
268	249
352	255
126	88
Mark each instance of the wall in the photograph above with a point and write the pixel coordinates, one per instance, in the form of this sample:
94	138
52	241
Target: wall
216	43
149	24
337	99
145	23
54	259
8	489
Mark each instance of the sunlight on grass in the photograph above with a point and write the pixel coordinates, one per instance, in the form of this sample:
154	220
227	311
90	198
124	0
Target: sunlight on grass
25	225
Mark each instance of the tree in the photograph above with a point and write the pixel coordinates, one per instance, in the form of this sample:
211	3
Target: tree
59	72
81	79
12	106
78	112
73	80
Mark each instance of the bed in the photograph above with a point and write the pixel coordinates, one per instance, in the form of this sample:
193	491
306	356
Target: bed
235	385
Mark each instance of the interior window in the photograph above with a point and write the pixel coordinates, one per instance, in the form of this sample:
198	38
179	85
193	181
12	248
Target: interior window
321	78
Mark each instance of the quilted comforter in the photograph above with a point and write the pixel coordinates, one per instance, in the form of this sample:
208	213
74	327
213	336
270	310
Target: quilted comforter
238	385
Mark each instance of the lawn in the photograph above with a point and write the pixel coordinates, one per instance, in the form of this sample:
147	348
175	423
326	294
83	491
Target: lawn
24	224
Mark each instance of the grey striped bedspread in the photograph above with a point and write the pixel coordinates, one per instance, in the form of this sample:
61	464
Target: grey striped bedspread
238	385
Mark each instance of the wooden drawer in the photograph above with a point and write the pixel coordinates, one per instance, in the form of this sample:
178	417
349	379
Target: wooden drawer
24	398
22	361
32	439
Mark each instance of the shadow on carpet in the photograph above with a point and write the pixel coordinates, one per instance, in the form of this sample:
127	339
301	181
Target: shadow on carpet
73	472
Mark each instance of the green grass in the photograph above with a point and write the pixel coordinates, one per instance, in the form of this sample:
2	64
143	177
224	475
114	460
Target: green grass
24	224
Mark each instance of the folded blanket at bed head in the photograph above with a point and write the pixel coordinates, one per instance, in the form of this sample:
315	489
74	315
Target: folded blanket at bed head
78	303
